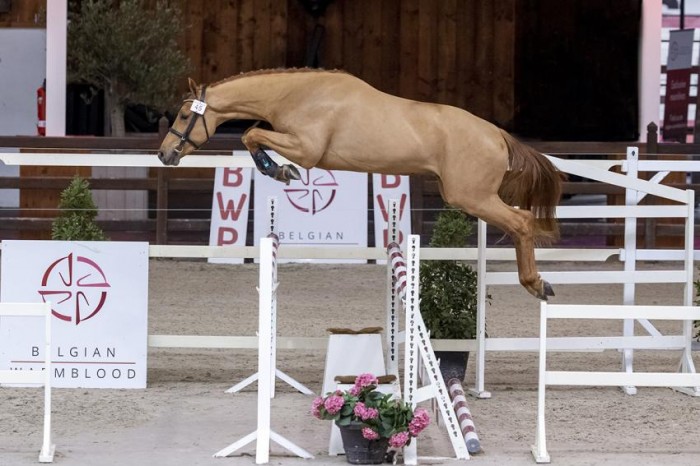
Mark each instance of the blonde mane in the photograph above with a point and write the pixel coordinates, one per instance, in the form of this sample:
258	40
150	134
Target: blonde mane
276	71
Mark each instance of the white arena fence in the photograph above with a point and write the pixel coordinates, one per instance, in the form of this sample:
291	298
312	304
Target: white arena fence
636	190
592	378
32	378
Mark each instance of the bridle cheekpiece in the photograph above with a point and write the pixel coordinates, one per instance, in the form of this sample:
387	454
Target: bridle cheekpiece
198	107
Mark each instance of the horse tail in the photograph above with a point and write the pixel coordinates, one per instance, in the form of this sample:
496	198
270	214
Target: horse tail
532	183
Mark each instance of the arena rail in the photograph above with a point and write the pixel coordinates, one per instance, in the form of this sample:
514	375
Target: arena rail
191	227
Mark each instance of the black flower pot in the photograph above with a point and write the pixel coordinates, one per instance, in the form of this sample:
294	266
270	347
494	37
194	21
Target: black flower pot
359	450
453	364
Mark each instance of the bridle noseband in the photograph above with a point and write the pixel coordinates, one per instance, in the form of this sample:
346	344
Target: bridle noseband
185	137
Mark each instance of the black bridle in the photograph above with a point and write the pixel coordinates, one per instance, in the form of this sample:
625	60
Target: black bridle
185	136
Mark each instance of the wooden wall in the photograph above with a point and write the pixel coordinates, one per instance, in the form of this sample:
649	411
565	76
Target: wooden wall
458	52
25	14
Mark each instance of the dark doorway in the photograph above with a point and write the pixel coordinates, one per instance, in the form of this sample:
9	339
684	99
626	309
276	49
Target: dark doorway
576	69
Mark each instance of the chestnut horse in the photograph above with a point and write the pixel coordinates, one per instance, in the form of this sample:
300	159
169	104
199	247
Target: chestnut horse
335	121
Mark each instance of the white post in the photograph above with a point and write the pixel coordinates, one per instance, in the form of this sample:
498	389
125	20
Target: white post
265	301
539	450
272	217
411	352
392	300
649	66
47	449
687	364
56	46
631	199
478	390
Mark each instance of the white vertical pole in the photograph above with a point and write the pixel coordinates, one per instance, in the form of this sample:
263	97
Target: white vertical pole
687	364
56	49
272	215
262	452
411	352
46	454
392	299
649	66
539	450
631	199
478	390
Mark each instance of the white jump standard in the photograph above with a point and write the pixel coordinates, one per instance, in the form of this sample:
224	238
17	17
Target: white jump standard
266	370
418	348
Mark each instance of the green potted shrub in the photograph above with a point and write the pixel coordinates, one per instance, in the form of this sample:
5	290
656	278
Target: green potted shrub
76	222
448	291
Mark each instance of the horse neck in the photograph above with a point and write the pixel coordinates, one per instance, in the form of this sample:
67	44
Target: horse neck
246	98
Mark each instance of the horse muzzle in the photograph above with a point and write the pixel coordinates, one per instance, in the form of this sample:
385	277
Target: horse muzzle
170	158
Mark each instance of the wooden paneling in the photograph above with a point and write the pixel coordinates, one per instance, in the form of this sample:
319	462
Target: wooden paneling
457	52
25	14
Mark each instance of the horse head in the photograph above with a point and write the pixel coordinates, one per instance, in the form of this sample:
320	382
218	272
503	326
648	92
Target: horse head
193	126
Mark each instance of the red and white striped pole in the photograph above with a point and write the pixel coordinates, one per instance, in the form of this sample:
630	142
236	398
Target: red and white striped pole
466	423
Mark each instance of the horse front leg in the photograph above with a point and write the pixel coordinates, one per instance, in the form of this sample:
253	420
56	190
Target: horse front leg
519	225
254	138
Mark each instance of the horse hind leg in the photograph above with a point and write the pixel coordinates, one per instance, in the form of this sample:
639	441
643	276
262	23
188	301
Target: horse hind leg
282	143
519	225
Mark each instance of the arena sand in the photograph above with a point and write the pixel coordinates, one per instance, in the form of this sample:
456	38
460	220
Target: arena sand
184	416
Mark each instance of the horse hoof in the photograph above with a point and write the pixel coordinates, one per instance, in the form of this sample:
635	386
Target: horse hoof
291	172
286	173
548	290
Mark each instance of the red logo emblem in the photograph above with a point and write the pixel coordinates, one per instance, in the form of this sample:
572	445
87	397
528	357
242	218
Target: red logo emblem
317	194
76	287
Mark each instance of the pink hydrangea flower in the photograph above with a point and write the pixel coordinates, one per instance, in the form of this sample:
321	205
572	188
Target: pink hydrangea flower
365	413
420	421
369	433
363	380
333	404
354	390
316	407
399	439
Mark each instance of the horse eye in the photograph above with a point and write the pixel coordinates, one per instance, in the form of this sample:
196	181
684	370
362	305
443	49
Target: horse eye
183	116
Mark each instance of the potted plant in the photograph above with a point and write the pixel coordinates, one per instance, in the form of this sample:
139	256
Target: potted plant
370	421
76	222
448	291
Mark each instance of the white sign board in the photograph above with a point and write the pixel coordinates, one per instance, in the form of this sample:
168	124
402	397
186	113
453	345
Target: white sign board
99	300
324	208
386	188
229	210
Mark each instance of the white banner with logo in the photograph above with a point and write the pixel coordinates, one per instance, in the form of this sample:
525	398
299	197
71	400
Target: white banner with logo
229	210
324	208
386	188
99	299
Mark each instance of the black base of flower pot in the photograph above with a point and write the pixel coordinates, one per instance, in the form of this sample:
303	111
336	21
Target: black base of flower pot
359	450
453	365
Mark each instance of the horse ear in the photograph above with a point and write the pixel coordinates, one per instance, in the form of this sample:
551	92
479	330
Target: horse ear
193	86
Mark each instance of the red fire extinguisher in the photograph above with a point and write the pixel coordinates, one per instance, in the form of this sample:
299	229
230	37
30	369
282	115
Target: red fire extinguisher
41	109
